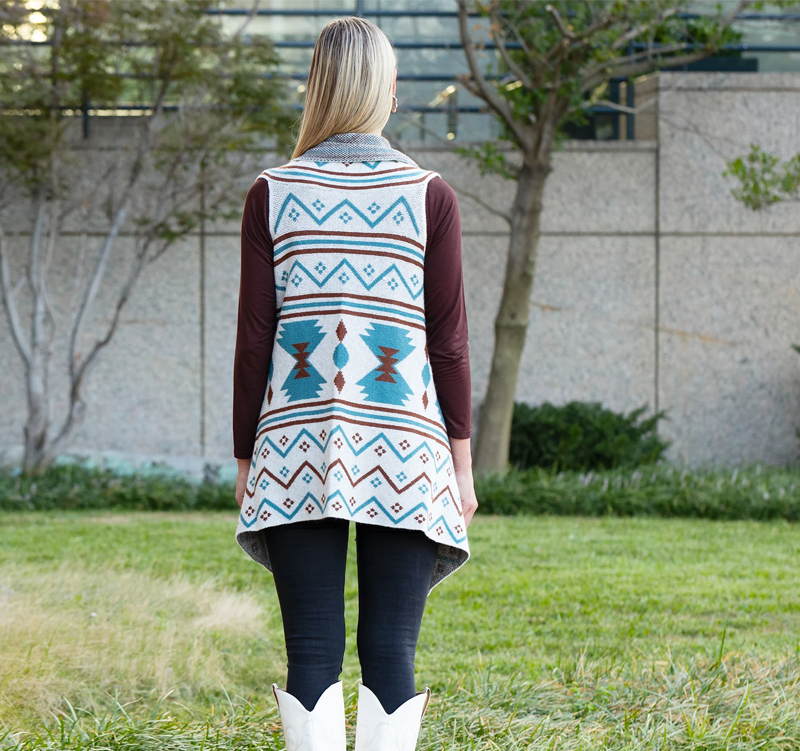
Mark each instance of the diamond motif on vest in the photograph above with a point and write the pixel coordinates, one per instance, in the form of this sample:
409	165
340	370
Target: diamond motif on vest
390	344
300	339
340	356
426	375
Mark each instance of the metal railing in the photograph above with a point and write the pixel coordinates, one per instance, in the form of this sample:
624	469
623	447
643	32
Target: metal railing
447	103
361	8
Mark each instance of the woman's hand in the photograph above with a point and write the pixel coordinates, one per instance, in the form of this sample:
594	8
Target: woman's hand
462	463
241	479
466	487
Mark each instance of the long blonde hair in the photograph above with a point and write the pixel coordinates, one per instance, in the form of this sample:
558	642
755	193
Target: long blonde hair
349	84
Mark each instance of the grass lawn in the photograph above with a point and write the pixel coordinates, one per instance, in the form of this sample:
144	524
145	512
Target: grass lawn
565	633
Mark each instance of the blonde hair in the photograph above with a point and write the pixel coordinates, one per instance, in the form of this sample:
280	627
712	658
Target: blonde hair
349	84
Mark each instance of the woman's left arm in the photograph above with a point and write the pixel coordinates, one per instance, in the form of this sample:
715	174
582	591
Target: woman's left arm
447	334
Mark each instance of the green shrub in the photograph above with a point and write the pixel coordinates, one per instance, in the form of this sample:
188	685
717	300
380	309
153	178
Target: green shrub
583	436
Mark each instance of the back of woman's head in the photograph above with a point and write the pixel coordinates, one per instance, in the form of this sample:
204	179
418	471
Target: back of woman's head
350	82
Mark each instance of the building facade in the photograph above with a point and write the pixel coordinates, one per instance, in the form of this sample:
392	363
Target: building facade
654	286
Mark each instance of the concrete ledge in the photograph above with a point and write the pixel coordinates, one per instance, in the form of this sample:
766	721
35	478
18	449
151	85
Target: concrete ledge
760	82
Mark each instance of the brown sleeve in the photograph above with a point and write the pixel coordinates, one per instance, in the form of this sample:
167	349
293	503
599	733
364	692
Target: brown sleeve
445	310
255	332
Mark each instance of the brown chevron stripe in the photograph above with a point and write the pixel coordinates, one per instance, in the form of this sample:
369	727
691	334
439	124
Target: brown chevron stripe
353	483
350	187
331	172
356	405
446	489
365	298
351	235
358	314
398	491
343	250
343	418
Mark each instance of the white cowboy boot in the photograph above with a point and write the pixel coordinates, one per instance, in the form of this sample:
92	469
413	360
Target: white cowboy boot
398	731
321	729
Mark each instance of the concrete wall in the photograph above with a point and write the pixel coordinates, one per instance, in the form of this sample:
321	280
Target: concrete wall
654	286
729	278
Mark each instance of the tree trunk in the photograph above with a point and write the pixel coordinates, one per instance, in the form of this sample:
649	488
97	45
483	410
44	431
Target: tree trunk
38	411
511	324
36	368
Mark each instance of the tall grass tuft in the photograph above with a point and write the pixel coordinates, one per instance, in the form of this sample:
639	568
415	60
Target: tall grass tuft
88	634
719	703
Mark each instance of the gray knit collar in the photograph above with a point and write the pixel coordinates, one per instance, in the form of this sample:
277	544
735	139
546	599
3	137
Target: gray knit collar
355	147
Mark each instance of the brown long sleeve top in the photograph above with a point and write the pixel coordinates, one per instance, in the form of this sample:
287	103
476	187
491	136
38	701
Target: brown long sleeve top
445	314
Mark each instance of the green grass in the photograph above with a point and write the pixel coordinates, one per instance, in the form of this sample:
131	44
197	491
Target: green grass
603	633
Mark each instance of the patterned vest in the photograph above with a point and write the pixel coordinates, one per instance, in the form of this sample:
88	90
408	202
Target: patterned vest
351	425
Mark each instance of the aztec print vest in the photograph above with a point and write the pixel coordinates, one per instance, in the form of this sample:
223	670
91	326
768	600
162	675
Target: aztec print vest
350	425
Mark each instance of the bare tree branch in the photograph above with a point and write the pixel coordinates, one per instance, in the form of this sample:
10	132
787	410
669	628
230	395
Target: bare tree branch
584	36
482	87
417	124
644	60
650	54
645	66
637	31
731	17
10	304
119	220
94	285
36	279
535	60
475	197
497	37
250	16
559	22
79	373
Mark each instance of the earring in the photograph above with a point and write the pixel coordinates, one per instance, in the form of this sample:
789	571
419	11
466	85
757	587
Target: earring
394	103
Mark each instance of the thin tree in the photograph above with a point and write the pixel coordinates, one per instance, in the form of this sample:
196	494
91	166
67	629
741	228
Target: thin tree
199	99
552	61
763	181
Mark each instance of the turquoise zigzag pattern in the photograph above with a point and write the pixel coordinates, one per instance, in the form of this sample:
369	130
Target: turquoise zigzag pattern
366	284
323	505
381	437
347	203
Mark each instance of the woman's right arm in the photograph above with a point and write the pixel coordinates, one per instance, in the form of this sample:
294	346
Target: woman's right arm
256	325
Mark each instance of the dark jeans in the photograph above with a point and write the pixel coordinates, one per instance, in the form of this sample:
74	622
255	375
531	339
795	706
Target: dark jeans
394	574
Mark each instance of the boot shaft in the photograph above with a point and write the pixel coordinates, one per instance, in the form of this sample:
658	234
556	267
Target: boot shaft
378	731
321	729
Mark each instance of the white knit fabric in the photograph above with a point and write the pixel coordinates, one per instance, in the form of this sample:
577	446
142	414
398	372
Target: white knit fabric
351	425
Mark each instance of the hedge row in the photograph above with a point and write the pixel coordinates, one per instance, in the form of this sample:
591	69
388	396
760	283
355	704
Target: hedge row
72	487
751	493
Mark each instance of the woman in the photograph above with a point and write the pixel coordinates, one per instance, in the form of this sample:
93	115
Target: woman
352	396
